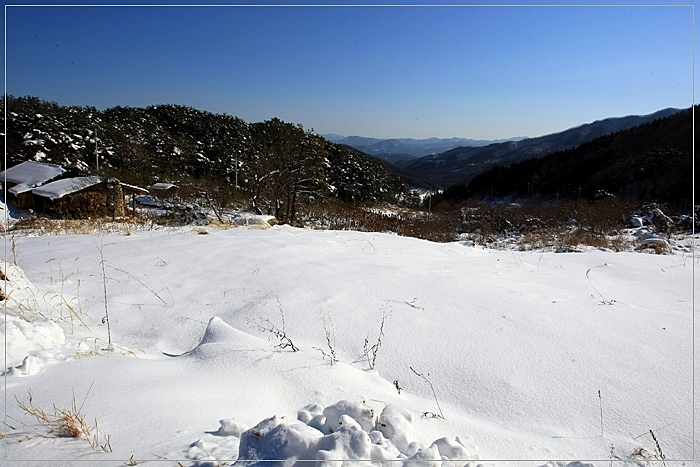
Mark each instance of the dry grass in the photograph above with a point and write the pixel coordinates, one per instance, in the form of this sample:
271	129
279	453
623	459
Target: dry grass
330	340
42	224
552	225
655	454
30	303
64	423
437	227
371	351
265	325
529	224
87	226
425	377
658	453
94	346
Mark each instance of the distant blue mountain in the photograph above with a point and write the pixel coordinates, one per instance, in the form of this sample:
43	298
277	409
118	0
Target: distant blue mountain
404	149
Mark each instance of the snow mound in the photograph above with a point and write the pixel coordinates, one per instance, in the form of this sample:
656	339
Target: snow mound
396	424
246	218
345	431
30	343
360	413
29	366
230	427
219	338
30	330
8	215
24	299
274	439
218	331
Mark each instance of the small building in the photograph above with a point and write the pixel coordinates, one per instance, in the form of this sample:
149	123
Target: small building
22	178
52	189
87	195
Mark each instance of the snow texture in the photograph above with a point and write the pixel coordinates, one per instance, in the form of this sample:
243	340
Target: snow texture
536	358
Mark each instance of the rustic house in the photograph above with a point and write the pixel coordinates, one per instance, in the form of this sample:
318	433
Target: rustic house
21	179
86	196
52	189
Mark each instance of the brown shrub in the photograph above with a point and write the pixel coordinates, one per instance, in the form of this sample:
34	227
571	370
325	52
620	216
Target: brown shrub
405	222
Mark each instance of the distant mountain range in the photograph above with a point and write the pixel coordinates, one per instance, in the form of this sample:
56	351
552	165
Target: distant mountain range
400	150
459	164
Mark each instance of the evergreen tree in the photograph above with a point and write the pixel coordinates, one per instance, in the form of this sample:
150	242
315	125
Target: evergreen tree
287	168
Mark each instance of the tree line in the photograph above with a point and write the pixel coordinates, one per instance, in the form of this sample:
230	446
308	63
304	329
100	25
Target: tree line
274	166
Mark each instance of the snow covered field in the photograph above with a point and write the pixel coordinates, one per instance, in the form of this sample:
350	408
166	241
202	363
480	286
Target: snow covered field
533	356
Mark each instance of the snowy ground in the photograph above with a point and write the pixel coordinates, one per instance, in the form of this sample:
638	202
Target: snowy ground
548	358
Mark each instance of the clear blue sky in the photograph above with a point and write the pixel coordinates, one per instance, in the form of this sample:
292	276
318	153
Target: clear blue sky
482	72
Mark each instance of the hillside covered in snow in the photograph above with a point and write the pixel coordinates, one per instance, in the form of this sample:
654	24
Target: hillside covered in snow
273	166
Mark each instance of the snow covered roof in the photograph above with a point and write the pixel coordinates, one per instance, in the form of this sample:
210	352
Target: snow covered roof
133	188
60	188
163	186
20	188
30	174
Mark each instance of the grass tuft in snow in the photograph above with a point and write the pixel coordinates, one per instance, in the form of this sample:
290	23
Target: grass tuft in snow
104	287
330	340
66	422
265	325
370	352
600	404
432	388
658	453
655	454
74	306
603	301
98	346
29	303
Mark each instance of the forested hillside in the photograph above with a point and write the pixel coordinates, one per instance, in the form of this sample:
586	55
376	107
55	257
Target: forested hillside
650	162
276	167
460	165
